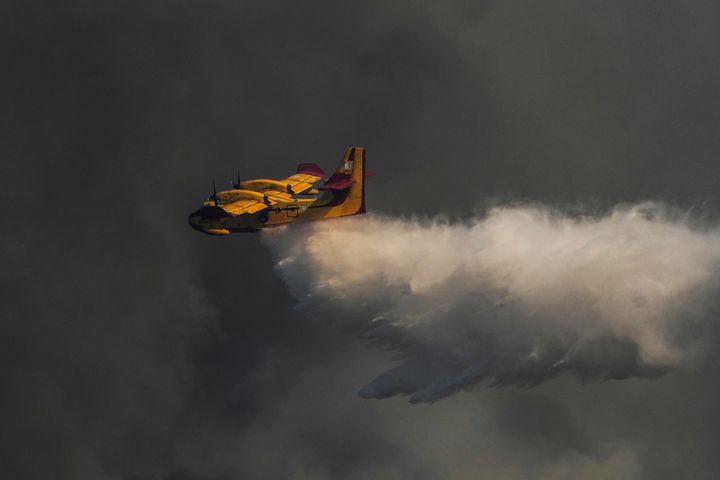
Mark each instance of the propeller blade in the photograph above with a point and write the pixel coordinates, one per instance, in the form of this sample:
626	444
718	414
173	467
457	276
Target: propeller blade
215	194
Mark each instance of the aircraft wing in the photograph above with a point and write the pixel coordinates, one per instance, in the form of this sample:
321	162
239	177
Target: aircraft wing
307	174
251	205
247	205
282	191
277	196
301	182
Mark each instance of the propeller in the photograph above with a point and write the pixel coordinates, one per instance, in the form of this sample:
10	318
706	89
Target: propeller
236	184
215	194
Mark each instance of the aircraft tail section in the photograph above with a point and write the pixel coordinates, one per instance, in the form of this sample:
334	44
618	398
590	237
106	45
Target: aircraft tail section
357	190
347	184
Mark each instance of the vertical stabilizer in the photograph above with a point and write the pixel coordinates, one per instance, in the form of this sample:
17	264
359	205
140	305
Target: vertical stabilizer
356	166
347	184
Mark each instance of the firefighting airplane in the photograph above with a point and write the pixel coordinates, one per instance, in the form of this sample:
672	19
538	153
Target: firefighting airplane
255	204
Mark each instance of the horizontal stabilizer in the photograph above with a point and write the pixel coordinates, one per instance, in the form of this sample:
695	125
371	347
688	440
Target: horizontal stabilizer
338	181
310	169
339	185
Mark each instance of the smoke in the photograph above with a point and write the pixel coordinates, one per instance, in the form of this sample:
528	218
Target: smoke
516	297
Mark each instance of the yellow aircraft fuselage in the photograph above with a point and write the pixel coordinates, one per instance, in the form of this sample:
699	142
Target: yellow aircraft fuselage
256	204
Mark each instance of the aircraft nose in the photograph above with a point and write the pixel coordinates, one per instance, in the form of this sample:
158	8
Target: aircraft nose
194	219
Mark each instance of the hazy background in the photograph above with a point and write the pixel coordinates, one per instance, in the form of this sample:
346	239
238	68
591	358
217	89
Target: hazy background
136	348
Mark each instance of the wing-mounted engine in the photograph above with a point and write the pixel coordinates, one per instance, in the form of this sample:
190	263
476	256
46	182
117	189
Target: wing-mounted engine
261	184
232	196
306	176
